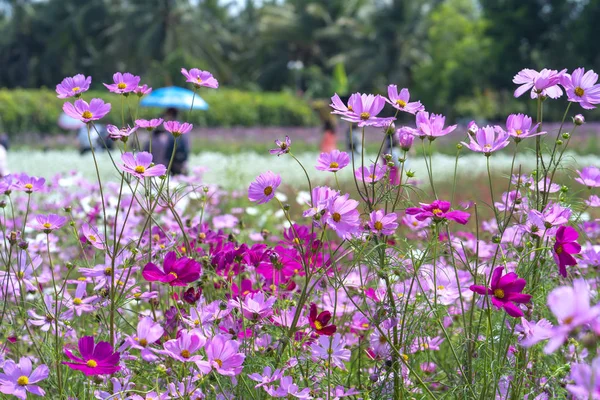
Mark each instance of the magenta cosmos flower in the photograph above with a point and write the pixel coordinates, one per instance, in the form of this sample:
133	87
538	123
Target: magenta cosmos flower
439	210
223	355
400	100
85	112
565	247
581	88
364	110
283	147
370	174
343	216
519	127
149	124
177	128
431	126
200	78
589	176
18	379
255	306
544	82
123	83
186	344
383	223
320	322
48	223
148	332
487	140
175	272
262	190
505	291
74	86
96	359
139	165
333	161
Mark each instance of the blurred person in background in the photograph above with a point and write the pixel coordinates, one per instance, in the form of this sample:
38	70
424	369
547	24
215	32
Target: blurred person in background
98	137
329	141
163	143
4	144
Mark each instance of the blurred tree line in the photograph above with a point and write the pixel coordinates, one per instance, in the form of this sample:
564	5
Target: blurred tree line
457	56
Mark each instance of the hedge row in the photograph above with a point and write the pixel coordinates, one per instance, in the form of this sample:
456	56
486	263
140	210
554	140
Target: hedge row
37	110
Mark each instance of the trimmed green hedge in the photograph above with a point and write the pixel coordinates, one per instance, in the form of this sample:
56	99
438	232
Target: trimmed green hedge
37	110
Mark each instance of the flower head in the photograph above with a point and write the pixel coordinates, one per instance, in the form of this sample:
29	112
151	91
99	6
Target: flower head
333	161
382	223
140	165
405	137
18	379
581	87
400	101
200	78
519	127
505	291
177	128
175	272
564	247
120	134
96	359
49	223
586	381
81	110
92	236
123	83
149	124
439	210
73	86
370	174
487	140
147	333
365	108
143	90
589	176
283	147
320	322
432	126
223	355
339	107
543	83
262	190
343	217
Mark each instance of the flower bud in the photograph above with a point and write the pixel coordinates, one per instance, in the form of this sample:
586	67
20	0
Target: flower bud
566	135
23	245
472	128
459	146
579	120
2	204
405	138
410	174
559	142
286	207
390	164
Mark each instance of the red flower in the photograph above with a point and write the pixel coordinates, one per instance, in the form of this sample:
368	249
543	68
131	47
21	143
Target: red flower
564	247
319	322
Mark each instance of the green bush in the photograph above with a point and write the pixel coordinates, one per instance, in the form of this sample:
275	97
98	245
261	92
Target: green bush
28	110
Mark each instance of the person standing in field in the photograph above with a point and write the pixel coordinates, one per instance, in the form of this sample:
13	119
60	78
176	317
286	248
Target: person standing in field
329	140
163	143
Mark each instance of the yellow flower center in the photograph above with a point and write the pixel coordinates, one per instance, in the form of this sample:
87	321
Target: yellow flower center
268	190
559	250
378	225
173	274
81	278
568	320
198	80
77	301
401	103
334	165
365	325
436	211
143	342
519	132
196	322
318	325
415	223
76	89
425	346
336	217
140	170
20	274
23	380
87	114
350	108
47	225
365	116
108	271
202	236
219	362
499	293
441	287
137	295
91	363
185	353
92	238
487	146
28	186
404	357
579	91
121	85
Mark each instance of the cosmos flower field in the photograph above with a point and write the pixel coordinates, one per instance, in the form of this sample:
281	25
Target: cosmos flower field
382	279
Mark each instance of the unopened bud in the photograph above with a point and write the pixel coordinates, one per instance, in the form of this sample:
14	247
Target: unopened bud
566	135
579	120
23	245
559	142
286	207
410	174
459	146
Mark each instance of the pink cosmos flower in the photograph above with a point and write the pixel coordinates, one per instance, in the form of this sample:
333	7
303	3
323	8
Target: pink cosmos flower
333	161
139	165
519	127
564	247
321	198
505	291
544	82
262	190
288	389
581	88
283	147
254	306
96	359
25	183
432	126
487	140
533	332
554	214
48	223
93	237
331	349
200	78
593	201
183	348
148	332
123	83
589	176
343	216
142	90
177	128
586	381
175	272
370	174
405	137
120	134
18	379
73	86
382	223
85	112
81	302
149	124
267	376
400	101
365	108
439	210
223	355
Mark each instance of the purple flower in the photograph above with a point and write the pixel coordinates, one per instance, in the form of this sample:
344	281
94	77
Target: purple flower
85	112
593	201
267	376
487	140
519	127
339	107
18	379
120	134
554	214
400	101
586	381
581	88
472	128
74	86
139	165
26	183
431	126
262	190
183	348
142	90
92	236
96	359
439	210
533	332
331	349
177	128
223	355
505	291
333	161
544	82
282	147
382	223
321	198
564	247
175	272
123	83
200	78
343	216
365	108
406	137
579	120
149	124
589	176
370	174
254	307
48	223
148	332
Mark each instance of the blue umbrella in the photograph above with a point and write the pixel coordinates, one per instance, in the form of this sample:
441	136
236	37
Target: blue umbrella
174	97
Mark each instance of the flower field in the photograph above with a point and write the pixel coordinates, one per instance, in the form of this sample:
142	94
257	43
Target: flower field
390	275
